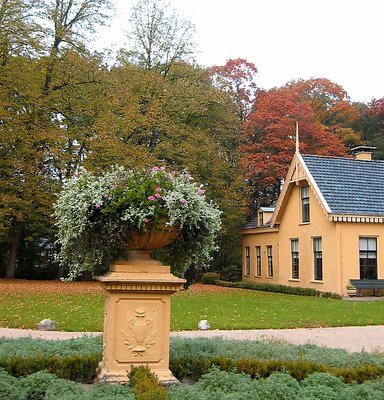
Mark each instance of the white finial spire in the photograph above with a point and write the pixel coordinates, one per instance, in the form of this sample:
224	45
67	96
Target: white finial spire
297	138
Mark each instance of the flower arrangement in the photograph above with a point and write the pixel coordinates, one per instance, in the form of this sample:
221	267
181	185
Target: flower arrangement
97	214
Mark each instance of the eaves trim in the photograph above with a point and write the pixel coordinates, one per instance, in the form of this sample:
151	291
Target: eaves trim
373	219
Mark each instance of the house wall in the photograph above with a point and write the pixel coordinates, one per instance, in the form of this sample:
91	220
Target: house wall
258	237
291	227
349	234
340	247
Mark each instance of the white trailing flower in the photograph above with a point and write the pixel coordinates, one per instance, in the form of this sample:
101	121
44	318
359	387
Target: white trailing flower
96	214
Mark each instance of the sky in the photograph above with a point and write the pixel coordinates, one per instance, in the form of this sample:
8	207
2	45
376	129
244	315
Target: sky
341	40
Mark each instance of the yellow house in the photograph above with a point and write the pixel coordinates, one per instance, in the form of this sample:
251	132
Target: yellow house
326	229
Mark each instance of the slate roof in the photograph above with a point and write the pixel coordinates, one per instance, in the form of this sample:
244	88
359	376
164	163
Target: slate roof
349	186
267	209
251	224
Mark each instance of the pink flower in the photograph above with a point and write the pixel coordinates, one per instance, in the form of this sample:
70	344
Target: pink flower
151	198
155	169
147	220
158	196
184	202
162	168
158	189
200	192
105	196
97	205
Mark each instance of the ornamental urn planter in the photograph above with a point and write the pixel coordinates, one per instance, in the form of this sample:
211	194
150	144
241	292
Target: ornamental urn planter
137	310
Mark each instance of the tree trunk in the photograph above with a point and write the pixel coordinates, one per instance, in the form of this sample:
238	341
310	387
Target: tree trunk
51	66
60	272
13	250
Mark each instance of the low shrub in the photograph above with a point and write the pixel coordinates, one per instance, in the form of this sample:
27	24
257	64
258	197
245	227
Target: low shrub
145	385
195	368
377	384
45	386
110	392
276	288
269	350
231	273
210	278
26	346
192	358
37	384
80	368
217	384
74	359
9	389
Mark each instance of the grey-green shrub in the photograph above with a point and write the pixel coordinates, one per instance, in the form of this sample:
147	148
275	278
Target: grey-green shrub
201	347
61	387
220	385
37	384
324	379
191	357
377	384
269	350
45	386
27	346
279	386
9	388
75	359
107	392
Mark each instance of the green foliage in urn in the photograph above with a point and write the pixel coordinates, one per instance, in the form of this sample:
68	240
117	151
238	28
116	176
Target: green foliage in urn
98	214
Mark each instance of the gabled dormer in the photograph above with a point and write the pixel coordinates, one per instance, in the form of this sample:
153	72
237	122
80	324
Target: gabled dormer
299	175
264	215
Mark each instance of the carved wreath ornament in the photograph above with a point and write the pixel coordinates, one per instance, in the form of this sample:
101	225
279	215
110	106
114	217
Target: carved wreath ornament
141	334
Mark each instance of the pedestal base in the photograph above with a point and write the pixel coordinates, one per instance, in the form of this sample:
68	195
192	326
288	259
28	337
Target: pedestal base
137	318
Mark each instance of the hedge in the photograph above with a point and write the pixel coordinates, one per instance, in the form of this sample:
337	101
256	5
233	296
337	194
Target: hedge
275	288
79	368
195	368
193	358
216	384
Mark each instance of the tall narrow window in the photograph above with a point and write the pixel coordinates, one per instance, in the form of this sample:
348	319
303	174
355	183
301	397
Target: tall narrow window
305	204
261	219
295	258
318	259
368	258
247	261
270	261
258	261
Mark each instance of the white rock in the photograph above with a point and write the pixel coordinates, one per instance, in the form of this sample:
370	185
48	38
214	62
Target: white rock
47	325
204	325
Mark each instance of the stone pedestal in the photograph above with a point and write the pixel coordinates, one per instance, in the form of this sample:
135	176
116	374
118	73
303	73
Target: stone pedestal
137	318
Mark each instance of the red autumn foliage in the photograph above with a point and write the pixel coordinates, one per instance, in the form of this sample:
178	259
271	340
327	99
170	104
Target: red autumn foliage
237	77
377	108
328	100
270	131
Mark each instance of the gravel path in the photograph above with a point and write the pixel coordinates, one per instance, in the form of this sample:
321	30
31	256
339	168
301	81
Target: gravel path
351	338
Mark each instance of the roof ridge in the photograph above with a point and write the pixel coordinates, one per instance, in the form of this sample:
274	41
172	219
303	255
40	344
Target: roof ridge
340	158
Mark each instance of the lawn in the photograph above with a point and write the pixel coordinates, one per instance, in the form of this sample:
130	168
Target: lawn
78	306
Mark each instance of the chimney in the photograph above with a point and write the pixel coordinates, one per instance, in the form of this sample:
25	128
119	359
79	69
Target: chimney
363	152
